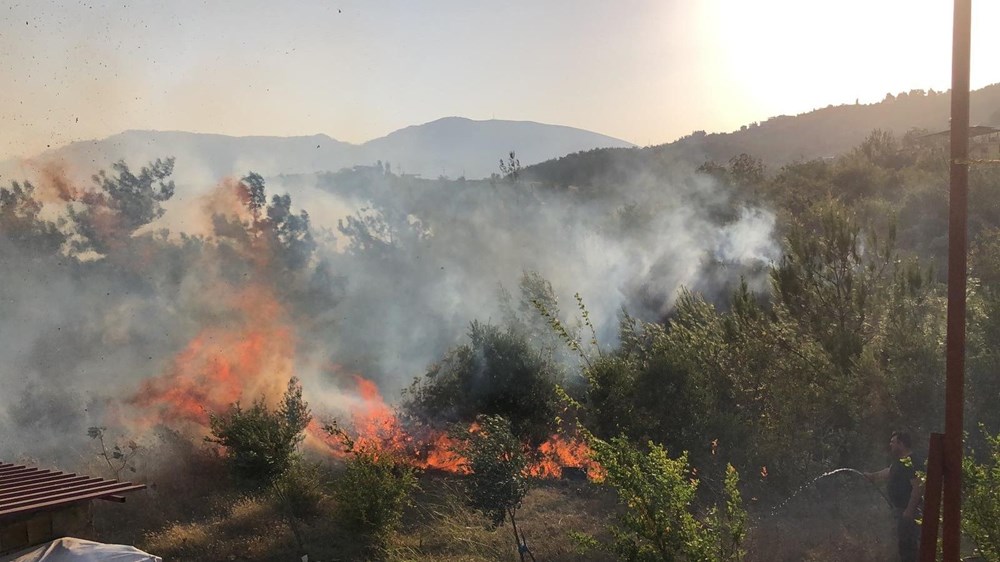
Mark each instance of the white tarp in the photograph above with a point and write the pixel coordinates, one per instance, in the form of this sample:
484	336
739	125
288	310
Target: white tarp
68	549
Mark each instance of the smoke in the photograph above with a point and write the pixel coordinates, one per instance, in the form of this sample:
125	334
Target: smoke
380	278
421	259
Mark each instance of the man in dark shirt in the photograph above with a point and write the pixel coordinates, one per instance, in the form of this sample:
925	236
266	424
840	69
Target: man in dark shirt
905	487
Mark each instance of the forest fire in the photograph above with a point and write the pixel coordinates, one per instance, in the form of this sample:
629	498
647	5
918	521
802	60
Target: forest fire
376	427
247	350
224	365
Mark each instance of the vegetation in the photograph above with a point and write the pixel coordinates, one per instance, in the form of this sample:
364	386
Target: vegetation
981	500
660	523
822	133
120	457
497	481
498	373
371	493
298	495
260	443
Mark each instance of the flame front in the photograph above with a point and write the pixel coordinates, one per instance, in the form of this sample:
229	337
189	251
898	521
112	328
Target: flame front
221	366
250	357
376	427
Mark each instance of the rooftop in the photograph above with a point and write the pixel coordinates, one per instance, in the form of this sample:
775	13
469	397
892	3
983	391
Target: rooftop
25	489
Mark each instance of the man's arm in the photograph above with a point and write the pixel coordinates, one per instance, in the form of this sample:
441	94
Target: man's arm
916	493
880	476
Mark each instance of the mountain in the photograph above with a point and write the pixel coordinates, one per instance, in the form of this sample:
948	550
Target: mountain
779	140
459	147
452	147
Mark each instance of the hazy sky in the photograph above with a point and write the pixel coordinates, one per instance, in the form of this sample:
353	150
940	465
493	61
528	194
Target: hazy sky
645	71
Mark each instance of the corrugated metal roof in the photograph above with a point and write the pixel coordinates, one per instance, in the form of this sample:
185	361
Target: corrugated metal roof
24	489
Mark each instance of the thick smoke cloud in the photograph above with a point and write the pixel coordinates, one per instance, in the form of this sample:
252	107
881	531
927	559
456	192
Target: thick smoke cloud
381	279
421	259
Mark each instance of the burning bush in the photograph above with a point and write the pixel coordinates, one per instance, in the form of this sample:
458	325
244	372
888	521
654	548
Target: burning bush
260	443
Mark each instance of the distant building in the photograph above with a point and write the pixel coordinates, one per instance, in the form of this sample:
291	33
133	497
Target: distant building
984	142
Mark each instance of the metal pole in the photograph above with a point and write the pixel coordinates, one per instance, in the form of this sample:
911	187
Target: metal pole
932	500
957	249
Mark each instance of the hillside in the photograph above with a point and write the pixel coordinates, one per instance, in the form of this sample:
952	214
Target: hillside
820	133
452	147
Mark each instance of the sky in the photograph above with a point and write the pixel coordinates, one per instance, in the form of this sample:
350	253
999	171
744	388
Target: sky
646	71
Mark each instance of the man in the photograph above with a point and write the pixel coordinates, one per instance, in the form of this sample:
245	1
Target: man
905	487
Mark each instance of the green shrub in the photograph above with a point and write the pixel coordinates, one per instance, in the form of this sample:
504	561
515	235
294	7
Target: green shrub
299	491
260	444
371	493
659	523
498	372
981	501
298	494
497	483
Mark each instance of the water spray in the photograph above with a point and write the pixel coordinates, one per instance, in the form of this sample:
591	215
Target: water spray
780	506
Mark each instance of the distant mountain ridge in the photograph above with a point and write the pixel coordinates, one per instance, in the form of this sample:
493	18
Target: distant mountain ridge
451	146
820	133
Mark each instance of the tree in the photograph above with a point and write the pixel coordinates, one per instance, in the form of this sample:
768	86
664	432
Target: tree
643	391
829	278
881	148
21	224
536	295
253	193
122	203
760	382
511	168
298	493
288	233
497	483
260	443
371	231
747	171
984	329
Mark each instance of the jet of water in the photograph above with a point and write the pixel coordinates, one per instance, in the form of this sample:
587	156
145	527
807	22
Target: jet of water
812	482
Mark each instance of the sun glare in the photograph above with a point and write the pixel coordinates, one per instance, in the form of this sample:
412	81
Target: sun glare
787	56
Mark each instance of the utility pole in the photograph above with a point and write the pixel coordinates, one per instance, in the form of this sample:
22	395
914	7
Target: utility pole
958	205
944	470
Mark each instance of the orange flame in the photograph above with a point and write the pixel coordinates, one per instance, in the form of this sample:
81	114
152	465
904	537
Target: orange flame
561	452
375	427
223	365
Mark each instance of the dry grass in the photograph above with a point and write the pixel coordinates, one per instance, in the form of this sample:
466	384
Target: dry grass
193	512
248	531
440	527
184	482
